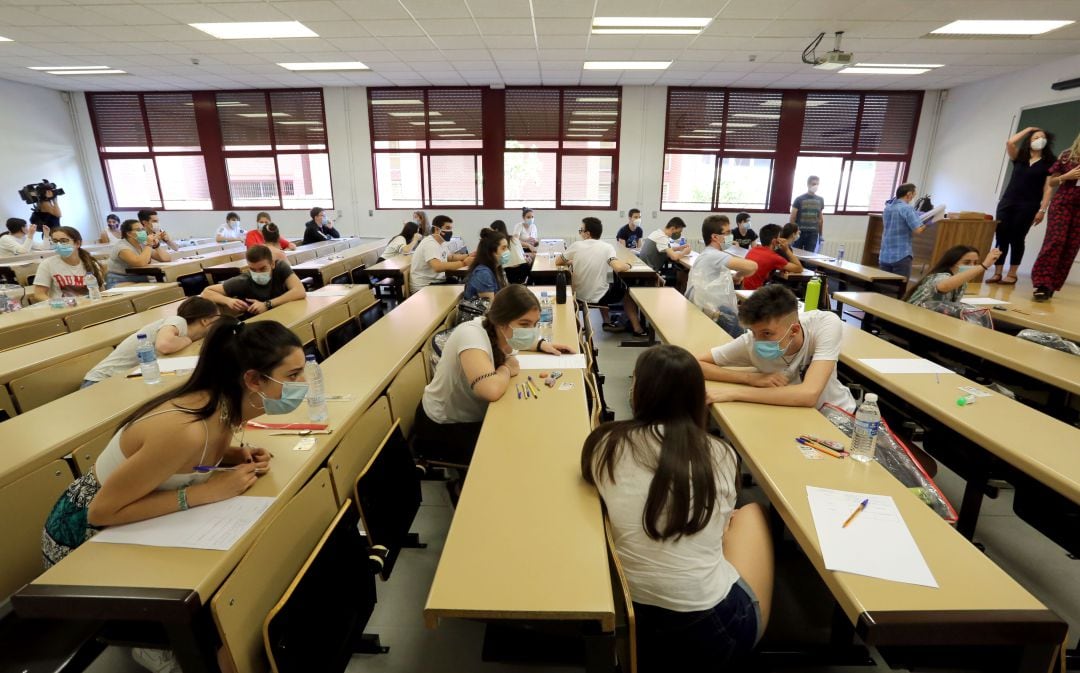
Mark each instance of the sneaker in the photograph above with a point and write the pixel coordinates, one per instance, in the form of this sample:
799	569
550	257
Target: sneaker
614	327
158	661
643	334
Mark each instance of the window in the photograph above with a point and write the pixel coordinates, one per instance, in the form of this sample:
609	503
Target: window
427	146
718	149
561	147
159	150
734	149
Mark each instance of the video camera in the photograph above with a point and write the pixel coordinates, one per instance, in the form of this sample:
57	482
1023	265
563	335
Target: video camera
35	194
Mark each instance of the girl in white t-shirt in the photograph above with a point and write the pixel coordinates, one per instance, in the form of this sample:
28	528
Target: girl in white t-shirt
403	243
518	268
700	572
65	272
526	232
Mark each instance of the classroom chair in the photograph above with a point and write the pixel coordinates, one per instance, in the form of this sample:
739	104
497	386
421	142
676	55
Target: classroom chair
341	334
625	625
45	385
333	317
98	314
154	299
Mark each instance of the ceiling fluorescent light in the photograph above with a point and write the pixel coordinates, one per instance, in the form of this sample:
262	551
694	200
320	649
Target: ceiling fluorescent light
397	101
457	135
885	71
299	123
646	31
69	67
328	66
592	121
6	39
627	65
251	30
595	113
261	115
87	72
650	21
999	27
898	65
757	115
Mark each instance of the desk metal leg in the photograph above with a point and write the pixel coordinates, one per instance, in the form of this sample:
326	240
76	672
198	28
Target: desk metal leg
968	516
195	643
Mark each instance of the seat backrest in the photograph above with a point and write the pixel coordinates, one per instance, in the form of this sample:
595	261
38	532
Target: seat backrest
361	301
98	314
341	334
357	446
28	334
32	497
149	300
330	317
305	256
625	627
593	399
86	454
406	390
387	494
268	568
45	385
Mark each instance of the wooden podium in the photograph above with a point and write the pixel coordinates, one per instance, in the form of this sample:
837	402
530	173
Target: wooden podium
932	243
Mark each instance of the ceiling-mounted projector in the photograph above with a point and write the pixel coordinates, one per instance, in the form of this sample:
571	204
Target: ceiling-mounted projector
833	60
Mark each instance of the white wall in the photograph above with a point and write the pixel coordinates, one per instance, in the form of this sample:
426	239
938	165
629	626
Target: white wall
38	140
969	160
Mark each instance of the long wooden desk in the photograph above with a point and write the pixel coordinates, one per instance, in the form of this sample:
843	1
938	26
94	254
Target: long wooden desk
849	272
327	267
396	268
976	603
1051	367
40	321
527	540
186	266
173	586
544	268
1060	315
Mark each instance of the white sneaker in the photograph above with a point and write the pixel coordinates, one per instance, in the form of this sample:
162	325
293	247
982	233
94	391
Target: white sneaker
158	661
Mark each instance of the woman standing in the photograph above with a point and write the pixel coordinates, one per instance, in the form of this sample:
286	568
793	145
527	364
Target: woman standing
1024	201
1062	240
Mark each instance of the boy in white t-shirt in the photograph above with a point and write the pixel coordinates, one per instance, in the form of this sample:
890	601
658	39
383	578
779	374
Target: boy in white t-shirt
794	353
432	258
593	261
710	284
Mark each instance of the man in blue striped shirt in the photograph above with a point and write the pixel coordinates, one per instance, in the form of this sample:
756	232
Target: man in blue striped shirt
901	221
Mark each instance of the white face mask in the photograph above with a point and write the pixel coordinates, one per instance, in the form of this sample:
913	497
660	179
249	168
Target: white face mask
812	189
1038	143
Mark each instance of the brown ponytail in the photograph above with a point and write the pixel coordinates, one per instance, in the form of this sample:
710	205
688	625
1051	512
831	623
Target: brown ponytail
510	303
89	263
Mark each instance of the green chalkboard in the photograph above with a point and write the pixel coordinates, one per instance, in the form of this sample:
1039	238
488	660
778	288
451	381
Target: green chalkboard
1061	119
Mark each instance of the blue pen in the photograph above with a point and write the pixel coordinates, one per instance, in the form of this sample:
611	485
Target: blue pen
212	468
519	391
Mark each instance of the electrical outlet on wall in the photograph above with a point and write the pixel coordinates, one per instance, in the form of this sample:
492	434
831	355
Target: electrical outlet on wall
370	213
622	213
654	214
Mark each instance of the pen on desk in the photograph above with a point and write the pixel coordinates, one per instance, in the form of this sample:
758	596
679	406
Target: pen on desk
536	391
518	386
819	447
861	507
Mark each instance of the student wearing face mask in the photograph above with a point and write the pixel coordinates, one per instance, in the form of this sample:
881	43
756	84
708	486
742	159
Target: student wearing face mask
65	272
475	369
807	211
793	355
193	319
263	286
149	220
255	236
774	254
486	275
526	232
947	280
518	268
710	285
163	457
744	235
1024	202
231	231
318	228
629	235
136	247
112	229
19	239
433	259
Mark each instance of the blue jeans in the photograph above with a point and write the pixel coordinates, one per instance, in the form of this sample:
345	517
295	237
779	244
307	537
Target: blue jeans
111	279
807	240
698	641
902	267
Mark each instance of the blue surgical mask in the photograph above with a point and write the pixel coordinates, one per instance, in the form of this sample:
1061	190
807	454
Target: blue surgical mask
504	258
292	396
523	337
65	249
964	267
140	236
729	240
260	277
770	350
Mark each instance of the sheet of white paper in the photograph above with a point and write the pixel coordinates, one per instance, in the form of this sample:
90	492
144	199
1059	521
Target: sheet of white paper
184	363
553	362
983	301
127	288
876	544
905	366
215	526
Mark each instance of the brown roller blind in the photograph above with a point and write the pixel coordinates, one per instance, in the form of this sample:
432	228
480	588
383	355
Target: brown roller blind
829	122
303	128
245	124
454	114
397	114
119	122
592	112
172	122
753	120
888	122
532	114
695	119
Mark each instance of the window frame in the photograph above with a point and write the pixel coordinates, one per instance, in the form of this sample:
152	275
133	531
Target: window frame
212	149
781	192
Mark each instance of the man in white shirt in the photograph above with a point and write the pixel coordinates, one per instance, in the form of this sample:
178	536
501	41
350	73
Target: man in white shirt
231	231
19	239
593	261
432	259
710	285
794	353
660	246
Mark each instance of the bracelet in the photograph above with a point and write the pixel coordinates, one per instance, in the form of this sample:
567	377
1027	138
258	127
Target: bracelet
985	268
540	343
480	378
181	498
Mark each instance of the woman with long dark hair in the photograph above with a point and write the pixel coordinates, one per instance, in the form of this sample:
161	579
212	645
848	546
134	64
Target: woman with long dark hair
403	243
486	276
1062	239
700	571
65	272
421	219
517	269
1025	199
948	278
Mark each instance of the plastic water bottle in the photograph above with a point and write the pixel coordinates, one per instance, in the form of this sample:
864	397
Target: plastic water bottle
5	302
867	423
545	307
840	253
316	399
56	300
148	364
92	287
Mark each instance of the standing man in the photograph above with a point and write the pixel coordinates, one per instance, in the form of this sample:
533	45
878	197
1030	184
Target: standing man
806	211
149	220
629	235
901	221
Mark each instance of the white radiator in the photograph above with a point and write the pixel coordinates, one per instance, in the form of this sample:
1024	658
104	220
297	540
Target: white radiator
852	249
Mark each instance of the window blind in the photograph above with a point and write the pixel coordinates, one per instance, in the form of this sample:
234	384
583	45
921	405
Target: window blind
532	114
172	122
888	123
119	122
590	114
695	119
244	120
753	120
829	122
303	127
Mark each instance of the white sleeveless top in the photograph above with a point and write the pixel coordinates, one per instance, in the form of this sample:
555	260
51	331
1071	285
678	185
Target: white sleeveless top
112	457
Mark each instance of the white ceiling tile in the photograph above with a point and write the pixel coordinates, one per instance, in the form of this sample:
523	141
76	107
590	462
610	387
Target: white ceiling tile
362	43
405	28
562	8
72	16
505	27
312	10
562	26
437	9
192	13
338	29
365	10
465	29
499	9
457	55
513	55
563	41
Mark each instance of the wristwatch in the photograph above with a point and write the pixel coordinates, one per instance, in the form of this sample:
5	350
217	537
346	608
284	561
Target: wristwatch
269	304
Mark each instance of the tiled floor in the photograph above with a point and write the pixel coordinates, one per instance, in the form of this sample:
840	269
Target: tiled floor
802	605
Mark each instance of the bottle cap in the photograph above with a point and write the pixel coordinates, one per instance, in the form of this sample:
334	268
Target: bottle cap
870	397
141	336
310	358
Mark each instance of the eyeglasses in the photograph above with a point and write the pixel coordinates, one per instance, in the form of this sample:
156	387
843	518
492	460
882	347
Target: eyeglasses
62	241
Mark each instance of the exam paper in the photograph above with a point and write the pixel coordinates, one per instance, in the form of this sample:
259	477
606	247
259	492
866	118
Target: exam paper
982	301
185	363
556	362
905	366
877	543
127	288
215	526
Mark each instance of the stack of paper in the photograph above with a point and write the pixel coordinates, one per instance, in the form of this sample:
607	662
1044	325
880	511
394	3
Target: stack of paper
905	366
553	362
983	301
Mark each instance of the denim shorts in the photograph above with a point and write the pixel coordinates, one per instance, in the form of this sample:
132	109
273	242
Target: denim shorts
698	641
